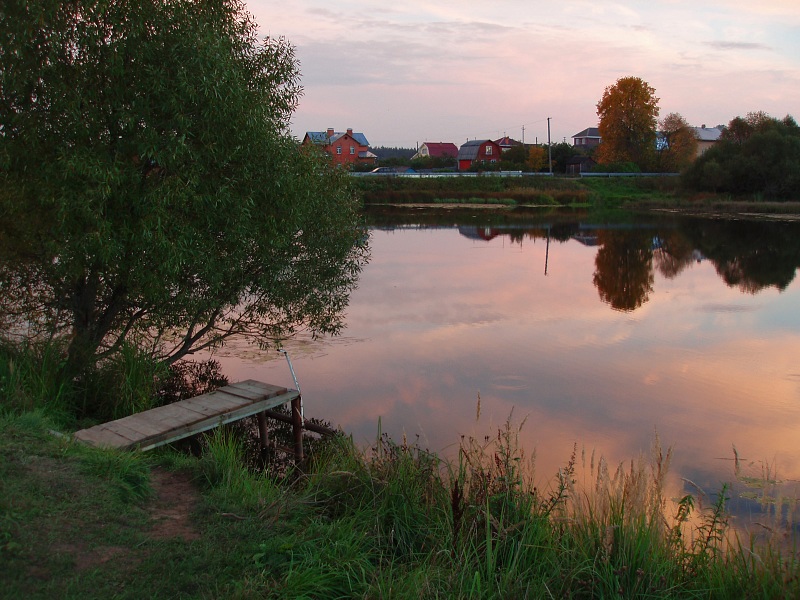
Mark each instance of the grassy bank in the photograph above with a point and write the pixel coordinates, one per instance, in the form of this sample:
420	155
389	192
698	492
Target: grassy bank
614	193
512	191
390	522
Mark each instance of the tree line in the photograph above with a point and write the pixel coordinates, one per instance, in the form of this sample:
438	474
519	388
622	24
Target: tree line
755	155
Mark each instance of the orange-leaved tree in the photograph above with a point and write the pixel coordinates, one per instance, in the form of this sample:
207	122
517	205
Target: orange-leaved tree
677	146
628	114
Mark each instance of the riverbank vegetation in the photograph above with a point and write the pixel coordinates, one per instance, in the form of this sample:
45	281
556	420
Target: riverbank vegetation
540	191
391	520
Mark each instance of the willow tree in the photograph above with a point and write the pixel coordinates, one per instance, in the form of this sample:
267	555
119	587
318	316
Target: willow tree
628	113
150	191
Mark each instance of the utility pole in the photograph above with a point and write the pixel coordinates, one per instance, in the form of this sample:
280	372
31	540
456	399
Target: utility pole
523	135
549	148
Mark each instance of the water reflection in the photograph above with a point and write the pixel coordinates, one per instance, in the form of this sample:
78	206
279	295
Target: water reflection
685	327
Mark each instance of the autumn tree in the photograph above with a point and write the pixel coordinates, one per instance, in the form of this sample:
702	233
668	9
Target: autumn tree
150	193
677	144
624	268
537	158
628	113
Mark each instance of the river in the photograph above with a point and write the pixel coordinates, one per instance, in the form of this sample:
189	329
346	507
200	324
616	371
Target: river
599	333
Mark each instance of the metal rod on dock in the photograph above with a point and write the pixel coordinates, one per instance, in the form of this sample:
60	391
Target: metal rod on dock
296	383
297	429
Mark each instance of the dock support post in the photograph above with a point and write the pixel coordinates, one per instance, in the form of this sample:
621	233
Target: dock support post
297	429
263	434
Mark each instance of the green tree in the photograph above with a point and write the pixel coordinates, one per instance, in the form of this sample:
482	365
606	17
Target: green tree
560	153
628	114
757	155
677	146
150	192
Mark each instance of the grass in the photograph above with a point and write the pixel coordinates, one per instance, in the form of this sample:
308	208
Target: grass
391	521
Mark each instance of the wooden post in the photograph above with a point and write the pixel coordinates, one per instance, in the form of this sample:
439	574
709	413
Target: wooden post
297	430
263	434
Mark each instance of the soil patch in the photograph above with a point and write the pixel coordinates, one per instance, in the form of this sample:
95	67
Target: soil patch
176	499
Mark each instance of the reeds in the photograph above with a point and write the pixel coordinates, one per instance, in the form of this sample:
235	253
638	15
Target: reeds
479	527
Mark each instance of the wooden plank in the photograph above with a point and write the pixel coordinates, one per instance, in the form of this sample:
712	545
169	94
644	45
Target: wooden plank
137	423
156	424
252	389
218	402
255	387
179	432
172	422
101	436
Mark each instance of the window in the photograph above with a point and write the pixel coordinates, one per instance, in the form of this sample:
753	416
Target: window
352	150
488	150
338	149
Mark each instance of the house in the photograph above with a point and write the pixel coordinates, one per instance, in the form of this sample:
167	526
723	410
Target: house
706	137
436	150
506	143
478	151
588	138
346	148
580	164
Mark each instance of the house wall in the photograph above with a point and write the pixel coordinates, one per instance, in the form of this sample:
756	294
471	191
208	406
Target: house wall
586	142
344	151
490	152
703	145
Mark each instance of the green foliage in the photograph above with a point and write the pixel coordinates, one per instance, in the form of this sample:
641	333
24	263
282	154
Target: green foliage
617	167
187	379
31	380
757	156
149	190
521	190
125	383
392	521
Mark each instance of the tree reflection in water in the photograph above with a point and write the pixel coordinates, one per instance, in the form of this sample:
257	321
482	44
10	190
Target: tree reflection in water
624	268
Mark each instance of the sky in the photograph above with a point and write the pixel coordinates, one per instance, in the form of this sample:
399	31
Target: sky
420	71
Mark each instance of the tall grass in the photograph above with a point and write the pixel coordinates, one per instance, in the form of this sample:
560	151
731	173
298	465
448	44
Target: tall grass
31	379
406	524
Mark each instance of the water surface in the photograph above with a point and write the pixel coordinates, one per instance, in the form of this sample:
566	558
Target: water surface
599	334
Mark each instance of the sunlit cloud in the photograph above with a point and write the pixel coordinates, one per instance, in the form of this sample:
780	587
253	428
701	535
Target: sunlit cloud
720	45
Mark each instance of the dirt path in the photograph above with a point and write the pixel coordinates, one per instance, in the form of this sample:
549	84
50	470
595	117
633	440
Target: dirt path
175	499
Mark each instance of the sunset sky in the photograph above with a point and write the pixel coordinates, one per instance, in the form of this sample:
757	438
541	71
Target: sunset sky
450	71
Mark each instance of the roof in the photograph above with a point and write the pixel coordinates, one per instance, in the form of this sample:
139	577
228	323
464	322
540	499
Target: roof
321	137
589	132
507	142
470	149
440	149
707	134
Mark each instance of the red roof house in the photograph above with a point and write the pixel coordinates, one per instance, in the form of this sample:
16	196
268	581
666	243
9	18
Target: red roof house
478	151
436	150
346	148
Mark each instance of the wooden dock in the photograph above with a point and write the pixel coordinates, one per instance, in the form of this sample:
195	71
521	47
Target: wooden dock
172	422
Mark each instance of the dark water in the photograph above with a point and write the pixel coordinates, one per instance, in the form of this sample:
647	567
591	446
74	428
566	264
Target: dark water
600	333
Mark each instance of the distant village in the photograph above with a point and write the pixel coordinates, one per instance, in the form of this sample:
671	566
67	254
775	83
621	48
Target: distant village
350	149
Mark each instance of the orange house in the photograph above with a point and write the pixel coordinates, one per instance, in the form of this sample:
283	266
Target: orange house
345	149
